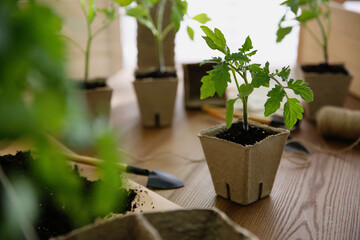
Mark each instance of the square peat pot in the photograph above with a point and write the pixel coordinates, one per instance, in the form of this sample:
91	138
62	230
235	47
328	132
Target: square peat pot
199	224
329	89
98	101
156	100
243	174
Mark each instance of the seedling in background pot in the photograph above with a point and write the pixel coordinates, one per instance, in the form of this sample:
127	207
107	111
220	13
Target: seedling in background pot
90	12
305	11
141	11
239	64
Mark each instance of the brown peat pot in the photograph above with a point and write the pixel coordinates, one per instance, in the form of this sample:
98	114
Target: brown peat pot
243	174
99	100
330	84
193	73
97	96
156	98
199	224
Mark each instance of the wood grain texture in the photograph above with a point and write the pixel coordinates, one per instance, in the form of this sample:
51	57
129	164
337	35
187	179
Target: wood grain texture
321	201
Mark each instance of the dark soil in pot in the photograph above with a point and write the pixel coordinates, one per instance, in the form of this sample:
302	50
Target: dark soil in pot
52	220
237	134
325	68
156	75
97	83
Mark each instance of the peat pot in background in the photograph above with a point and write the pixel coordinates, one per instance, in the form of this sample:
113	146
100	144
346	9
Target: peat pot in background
243	174
193	73
330	87
156	97
98	98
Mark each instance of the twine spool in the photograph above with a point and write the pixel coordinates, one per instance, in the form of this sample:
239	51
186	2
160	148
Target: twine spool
339	122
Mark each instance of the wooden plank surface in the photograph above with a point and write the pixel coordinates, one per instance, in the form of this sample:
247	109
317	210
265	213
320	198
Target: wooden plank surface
321	201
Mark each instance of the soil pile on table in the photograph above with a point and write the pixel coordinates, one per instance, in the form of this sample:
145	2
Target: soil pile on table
52	220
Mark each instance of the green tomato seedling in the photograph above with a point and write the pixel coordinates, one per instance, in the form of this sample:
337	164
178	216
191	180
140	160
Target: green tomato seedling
304	11
239	64
141	11
90	12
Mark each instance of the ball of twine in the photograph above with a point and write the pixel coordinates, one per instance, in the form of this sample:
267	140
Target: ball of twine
339	122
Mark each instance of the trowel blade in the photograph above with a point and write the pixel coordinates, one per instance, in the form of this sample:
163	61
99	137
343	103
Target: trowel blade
162	180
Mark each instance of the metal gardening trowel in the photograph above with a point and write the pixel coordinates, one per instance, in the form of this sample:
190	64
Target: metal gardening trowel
157	179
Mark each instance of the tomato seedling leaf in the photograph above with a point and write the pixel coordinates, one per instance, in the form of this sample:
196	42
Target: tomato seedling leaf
202	18
229	112
276	96
300	88
292	112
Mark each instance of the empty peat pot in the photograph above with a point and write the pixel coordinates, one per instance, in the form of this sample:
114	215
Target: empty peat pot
193	73
243	174
199	224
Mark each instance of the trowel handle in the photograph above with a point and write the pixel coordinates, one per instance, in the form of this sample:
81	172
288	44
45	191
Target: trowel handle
136	170
96	162
72	156
92	161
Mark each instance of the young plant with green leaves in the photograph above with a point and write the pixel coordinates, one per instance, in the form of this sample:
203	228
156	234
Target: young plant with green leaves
239	65
142	12
303	11
90	12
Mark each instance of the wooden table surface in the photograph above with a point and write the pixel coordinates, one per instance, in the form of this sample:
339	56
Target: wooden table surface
321	201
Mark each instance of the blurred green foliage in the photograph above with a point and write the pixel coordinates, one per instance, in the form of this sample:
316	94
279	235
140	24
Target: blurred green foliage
37	98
